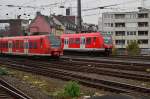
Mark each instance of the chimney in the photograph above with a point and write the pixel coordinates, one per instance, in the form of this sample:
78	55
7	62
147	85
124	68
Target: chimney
38	13
18	17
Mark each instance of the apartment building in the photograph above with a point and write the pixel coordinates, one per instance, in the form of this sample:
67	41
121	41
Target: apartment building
126	27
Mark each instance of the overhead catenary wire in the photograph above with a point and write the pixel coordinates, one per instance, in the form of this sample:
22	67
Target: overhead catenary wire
102	7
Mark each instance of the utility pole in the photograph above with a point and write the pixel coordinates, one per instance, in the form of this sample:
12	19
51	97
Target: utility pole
79	18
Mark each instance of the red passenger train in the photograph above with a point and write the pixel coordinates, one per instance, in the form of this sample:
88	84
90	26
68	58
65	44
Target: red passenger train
87	42
42	45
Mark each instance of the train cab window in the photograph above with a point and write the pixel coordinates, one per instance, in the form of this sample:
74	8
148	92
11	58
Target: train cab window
88	40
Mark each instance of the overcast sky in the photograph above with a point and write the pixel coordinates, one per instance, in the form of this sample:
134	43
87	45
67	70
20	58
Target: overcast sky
88	16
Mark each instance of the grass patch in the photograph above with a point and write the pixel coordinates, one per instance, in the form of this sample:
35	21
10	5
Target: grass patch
3	71
71	91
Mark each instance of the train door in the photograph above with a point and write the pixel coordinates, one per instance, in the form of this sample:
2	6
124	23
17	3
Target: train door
26	46
83	41
10	45
66	42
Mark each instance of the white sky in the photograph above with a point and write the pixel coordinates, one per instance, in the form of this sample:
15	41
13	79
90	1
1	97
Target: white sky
88	16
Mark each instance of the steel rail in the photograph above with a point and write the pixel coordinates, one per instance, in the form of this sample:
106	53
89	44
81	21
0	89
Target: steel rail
81	77
12	90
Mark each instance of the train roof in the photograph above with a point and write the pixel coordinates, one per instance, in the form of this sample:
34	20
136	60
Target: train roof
82	34
21	37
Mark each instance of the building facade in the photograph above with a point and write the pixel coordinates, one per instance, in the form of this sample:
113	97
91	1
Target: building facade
55	24
126	27
13	27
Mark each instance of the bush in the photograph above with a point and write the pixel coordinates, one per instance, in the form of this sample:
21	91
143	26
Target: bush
114	51
72	89
133	48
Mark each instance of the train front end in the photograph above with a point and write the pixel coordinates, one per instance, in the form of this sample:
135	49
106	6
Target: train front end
56	48
108	44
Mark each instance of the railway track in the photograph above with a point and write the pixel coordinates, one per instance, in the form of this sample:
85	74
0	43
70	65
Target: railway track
7	91
118	57
127	65
91	67
90	79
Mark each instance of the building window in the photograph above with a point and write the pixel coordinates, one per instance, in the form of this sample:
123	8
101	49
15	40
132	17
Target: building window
131	32
142	24
120	33
119	16
119	24
143	41
110	16
108	24
129	41
120	42
142	33
143	15
131	24
131	16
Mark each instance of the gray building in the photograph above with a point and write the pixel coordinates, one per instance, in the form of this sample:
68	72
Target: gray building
126	27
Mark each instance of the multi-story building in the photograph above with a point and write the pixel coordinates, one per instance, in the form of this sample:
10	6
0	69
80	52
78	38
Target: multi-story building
126	27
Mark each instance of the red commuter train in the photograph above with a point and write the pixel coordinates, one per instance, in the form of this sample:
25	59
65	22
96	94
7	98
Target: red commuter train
87	42
42	45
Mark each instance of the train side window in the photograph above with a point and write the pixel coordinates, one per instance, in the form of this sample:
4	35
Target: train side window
35	45
71	41
26	45
77	41
30	45
94	39
17	44
88	40
6	44
9	45
65	41
41	43
2	45
14	45
21	44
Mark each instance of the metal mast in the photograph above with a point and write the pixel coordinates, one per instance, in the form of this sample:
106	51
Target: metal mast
79	18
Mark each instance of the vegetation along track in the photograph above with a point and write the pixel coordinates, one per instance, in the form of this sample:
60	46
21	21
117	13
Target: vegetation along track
63	71
7	91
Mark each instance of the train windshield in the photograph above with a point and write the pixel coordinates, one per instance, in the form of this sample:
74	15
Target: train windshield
55	41
107	39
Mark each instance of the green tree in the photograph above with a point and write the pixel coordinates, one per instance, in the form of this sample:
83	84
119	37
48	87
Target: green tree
133	48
